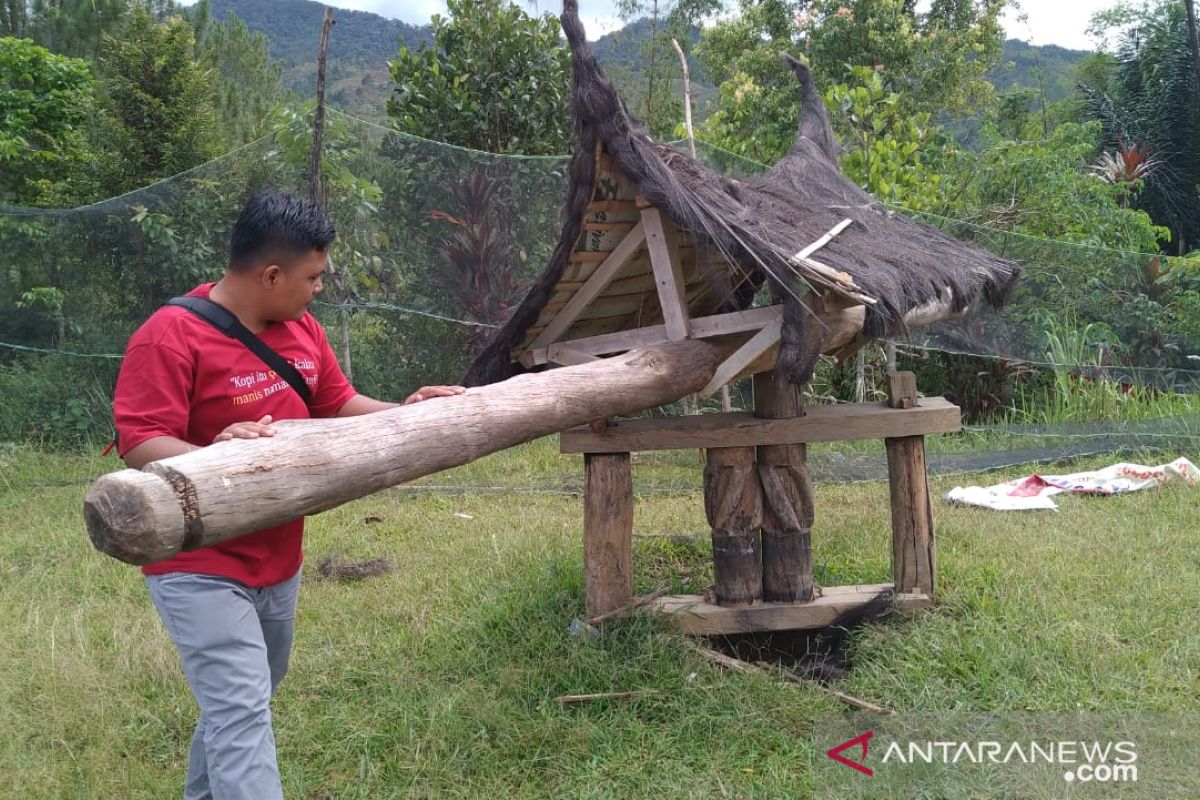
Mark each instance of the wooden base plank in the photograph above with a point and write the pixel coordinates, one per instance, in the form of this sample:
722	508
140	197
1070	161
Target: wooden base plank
691	614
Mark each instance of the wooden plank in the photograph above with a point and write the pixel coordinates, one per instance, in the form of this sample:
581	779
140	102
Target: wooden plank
693	615
745	355
567	357
668	274
595	284
819	424
702	328
607	532
787	497
733	507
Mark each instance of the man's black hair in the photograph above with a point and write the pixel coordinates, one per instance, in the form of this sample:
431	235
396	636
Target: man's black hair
279	228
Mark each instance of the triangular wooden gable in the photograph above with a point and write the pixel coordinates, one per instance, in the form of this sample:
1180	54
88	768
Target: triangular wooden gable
635	280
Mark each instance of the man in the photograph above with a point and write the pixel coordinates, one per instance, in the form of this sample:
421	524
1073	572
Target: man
184	384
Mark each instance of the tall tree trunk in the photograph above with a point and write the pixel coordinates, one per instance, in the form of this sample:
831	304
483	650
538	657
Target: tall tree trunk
1194	42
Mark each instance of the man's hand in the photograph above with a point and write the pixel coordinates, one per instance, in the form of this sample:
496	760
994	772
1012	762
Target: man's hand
427	392
246	430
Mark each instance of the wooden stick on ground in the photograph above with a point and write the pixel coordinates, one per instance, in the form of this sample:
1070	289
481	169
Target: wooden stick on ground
722	660
584	698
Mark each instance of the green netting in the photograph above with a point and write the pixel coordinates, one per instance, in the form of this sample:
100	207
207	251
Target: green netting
436	242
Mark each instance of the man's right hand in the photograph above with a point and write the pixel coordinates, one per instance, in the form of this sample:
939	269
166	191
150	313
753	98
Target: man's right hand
246	430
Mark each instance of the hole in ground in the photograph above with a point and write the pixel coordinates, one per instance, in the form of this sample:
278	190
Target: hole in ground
822	654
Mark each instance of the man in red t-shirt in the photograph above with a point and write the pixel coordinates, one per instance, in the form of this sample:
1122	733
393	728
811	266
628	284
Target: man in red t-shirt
229	608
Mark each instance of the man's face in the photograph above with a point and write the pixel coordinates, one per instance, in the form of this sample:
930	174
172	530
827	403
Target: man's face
298	285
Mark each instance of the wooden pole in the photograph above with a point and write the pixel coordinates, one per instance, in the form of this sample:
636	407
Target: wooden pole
787	498
227	489
912	514
607	532
733	505
314	159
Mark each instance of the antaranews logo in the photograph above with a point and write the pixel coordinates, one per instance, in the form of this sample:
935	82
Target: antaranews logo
861	741
1086	761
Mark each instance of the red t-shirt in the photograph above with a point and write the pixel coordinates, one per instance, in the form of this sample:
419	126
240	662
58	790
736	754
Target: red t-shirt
182	377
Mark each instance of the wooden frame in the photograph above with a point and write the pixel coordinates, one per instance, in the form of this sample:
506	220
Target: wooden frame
902	428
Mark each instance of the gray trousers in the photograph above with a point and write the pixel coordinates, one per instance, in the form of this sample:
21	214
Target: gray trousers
234	641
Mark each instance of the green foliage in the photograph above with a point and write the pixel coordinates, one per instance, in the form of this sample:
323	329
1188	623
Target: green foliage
935	61
246	89
890	150
157	100
56	402
495	80
756	111
44	104
67	27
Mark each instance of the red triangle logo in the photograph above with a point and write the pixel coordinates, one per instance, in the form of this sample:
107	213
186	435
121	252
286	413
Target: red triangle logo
861	741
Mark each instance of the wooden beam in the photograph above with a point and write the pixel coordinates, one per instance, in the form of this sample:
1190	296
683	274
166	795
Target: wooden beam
819	424
595	284
668	274
745	355
702	328
568	357
693	615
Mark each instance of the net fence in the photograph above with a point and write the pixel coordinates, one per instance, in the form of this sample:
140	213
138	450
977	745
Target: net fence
436	243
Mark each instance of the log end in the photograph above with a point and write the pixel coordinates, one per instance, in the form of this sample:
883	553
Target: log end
134	517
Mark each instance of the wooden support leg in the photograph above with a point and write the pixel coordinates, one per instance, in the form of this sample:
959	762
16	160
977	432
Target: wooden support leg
607	531
787	499
733	504
912	513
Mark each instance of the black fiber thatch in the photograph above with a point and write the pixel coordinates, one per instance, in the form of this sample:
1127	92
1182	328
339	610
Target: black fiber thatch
758	224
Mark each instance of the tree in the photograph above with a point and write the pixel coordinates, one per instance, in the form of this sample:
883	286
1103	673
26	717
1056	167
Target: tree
651	82
495	79
1150	99
43	113
246	89
67	27
934	60
157	100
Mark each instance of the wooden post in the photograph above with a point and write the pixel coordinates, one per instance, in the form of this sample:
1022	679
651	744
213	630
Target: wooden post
607	532
733	505
912	513
314	161
787	498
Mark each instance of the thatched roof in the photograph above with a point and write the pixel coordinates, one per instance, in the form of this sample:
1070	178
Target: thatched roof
755	226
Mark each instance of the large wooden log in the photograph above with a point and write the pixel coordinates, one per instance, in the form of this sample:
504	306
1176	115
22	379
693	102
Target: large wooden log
227	489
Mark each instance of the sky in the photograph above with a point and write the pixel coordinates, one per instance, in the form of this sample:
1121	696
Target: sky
1060	22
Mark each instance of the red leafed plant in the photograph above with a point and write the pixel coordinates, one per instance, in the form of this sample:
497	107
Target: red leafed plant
476	274
1129	163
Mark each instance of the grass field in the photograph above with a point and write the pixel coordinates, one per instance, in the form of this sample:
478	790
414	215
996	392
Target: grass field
437	680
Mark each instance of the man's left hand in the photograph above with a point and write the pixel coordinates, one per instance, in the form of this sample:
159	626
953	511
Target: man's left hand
428	392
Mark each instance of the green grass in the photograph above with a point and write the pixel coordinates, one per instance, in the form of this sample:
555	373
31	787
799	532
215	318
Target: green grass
437	681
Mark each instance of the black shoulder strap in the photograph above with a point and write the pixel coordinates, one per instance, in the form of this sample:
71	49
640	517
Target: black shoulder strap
223	320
